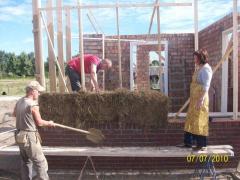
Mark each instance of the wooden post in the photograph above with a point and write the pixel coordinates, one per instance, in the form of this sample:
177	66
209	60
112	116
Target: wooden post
81	49
68	35
196	24
60	42
103	57
37	33
235	60
159	49
119	50
51	57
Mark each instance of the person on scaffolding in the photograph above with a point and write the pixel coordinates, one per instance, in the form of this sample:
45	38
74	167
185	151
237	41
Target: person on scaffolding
92	64
196	124
27	137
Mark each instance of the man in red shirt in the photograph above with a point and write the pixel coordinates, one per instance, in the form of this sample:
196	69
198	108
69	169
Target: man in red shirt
92	64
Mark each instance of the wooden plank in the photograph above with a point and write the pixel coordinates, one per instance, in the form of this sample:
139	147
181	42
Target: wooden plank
38	50
211	114
52	66
119	51
235	59
120	5
196	24
81	49
68	35
60	43
220	147
164	151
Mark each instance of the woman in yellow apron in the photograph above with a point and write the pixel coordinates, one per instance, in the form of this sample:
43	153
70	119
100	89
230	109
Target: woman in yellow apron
196	124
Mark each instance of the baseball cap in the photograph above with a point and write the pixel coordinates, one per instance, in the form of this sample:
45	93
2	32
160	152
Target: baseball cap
35	85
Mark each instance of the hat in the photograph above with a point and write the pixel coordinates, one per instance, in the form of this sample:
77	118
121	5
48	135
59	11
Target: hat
35	85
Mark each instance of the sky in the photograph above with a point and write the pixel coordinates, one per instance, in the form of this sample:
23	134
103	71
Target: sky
16	20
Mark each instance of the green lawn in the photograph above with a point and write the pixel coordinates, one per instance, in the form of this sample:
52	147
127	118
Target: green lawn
14	86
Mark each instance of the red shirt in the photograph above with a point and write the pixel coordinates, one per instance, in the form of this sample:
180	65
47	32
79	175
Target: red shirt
88	61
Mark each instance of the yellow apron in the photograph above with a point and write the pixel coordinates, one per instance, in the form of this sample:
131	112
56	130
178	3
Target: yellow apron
197	120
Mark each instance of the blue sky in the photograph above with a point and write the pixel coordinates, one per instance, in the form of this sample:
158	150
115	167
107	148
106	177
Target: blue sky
16	20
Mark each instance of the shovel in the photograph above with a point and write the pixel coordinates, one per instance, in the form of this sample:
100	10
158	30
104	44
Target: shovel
94	135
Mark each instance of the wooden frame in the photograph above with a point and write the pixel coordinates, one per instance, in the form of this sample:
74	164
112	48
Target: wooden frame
224	92
235	60
120	5
156	5
165	43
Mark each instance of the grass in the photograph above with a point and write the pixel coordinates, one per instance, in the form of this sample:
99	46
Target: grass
15	86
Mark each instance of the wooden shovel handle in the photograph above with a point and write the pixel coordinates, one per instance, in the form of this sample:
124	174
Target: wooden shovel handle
71	128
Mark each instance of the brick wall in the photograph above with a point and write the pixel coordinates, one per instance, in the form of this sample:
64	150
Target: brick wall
180	62
211	39
180	49
220	133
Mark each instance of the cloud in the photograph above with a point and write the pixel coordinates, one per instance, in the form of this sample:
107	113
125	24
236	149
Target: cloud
15	12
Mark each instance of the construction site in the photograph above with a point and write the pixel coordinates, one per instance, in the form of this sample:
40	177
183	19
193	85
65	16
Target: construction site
130	129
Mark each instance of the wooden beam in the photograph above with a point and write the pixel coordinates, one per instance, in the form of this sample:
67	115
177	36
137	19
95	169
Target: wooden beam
68	35
52	66
55	59
120	5
103	57
225	57
211	114
37	33
159	49
60	43
81	49
152	17
95	20
196	24
235	59
119	51
93	25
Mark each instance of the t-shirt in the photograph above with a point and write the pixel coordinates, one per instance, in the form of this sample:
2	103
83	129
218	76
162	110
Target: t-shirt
205	76
88	61
24	118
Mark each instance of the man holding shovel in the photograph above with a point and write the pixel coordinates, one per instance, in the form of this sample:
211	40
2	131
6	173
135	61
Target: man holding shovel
27	137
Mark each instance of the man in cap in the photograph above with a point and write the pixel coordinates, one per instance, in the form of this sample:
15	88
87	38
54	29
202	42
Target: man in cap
27	137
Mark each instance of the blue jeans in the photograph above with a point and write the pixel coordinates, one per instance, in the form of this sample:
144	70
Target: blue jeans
75	79
189	138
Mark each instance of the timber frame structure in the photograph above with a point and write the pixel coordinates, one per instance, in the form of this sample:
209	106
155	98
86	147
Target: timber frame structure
39	14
